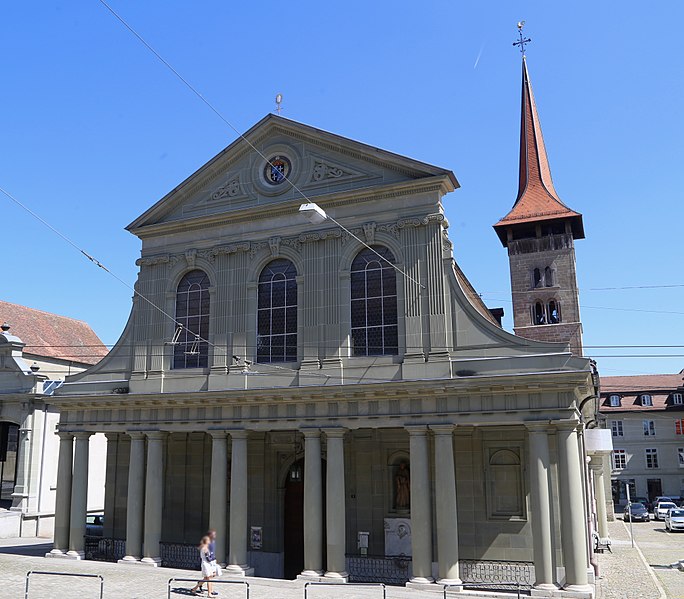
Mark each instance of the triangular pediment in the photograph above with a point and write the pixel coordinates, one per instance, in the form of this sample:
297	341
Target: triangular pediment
315	162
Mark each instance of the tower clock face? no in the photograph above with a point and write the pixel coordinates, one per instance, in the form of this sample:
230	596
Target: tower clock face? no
277	170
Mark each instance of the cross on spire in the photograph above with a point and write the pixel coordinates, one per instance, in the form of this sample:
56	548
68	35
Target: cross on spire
523	40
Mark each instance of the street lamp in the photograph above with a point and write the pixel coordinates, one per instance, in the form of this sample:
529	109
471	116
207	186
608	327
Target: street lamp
313	212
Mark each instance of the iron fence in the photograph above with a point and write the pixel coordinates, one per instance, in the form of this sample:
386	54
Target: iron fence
387	570
184	556
497	574
102	549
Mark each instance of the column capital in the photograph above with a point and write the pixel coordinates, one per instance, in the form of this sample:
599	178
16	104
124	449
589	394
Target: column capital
566	425
65	435
416	429
539	426
136	434
442	429
334	432
238	433
596	463
83	434
310	433
156	435
218	434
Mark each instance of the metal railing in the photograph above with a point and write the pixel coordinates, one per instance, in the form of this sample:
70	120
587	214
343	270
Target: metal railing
212	581
480	585
35	572
347	585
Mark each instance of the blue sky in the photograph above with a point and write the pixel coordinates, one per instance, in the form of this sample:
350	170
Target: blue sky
95	130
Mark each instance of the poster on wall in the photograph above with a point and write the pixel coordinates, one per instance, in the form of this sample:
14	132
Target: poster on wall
256	537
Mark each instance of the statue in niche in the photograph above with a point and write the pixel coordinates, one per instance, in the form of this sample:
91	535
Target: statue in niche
402	487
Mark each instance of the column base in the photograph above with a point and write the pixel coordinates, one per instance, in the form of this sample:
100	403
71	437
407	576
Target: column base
77	555
58	553
153	562
311	574
451	581
420	580
336	576
544	590
236	570
129	559
586	589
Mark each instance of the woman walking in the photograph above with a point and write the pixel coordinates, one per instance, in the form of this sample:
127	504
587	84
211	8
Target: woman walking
209	567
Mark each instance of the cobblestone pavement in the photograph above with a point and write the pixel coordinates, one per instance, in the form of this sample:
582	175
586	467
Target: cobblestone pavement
624	574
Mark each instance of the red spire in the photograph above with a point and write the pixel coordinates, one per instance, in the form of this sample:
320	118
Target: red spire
537	198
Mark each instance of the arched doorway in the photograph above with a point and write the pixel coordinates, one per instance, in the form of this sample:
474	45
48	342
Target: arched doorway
9	445
293	514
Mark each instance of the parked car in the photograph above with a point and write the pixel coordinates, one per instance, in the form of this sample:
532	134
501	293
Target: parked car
660	498
636	512
95	525
674	520
662	508
647	504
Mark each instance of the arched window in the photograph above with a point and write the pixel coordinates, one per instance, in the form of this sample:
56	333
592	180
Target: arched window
374	304
277	312
548	276
538	316
536	277
192	311
554	312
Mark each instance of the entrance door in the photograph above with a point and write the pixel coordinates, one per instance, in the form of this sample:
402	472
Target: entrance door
294	521
9	436
655	488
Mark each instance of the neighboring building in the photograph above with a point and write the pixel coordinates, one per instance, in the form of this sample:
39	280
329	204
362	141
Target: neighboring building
645	414
37	351
324	406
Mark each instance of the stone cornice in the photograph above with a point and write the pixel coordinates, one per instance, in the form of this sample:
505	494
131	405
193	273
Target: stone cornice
440	183
562	381
294	241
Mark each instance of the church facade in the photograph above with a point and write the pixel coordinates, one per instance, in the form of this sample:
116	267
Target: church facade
332	397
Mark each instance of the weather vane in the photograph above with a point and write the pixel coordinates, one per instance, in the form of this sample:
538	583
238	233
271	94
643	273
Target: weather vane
279	101
523	40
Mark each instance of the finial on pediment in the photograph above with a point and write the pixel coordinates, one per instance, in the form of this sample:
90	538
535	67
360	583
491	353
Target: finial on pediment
279	103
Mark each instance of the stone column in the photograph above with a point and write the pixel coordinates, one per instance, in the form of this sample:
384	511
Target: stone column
20	493
421	505
573	530
237	555
135	502
154	498
445	505
335	499
540	506
596	466
79	497
313	504
218	494
63	494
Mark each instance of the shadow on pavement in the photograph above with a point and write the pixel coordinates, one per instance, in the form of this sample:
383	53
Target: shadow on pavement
33	550
182	591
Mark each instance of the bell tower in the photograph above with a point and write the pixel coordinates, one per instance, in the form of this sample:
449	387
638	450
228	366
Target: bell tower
539	233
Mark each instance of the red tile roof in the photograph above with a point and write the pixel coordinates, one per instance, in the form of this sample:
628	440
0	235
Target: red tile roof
630	388
53	336
537	198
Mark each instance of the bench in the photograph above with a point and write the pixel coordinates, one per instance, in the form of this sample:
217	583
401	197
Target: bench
601	545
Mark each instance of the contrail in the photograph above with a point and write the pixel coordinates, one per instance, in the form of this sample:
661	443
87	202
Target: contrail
479	54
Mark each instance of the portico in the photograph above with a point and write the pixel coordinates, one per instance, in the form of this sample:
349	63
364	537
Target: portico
346	407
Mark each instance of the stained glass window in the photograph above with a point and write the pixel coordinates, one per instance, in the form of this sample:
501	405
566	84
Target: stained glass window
374	304
192	311
277	312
